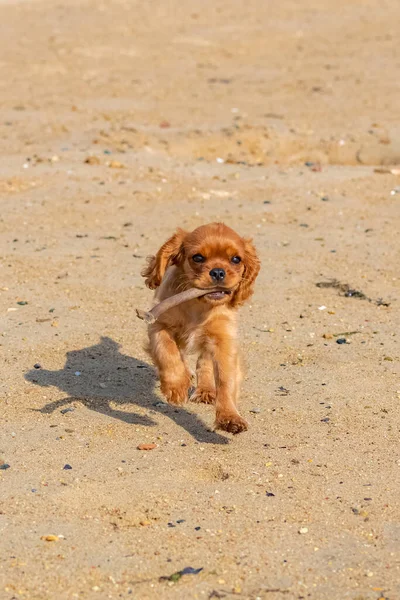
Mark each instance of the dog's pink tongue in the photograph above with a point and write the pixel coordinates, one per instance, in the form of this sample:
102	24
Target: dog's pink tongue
152	315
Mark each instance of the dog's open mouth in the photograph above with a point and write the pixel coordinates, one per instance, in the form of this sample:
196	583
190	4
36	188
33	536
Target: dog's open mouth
218	294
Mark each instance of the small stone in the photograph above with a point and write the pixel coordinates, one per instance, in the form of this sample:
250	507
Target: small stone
67	467
92	160
37	366
255	410
388	358
4	466
269	494
66	410
49	538
341	341
328	336
103	385
303	530
115	164
146	446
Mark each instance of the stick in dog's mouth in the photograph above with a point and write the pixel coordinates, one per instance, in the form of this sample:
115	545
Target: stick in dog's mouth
152	315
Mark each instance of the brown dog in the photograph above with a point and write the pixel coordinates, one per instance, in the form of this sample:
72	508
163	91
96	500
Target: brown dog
210	257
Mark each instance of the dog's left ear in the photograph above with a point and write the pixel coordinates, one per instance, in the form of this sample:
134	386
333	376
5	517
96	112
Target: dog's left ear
251	269
170	253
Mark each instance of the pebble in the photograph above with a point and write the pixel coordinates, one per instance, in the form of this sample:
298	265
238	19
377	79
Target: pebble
255	410
66	410
37	366
115	164
341	341
328	336
49	538
303	530
4	467
146	446
92	160
67	467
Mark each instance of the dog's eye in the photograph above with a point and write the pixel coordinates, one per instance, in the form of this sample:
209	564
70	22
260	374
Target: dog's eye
236	260
198	258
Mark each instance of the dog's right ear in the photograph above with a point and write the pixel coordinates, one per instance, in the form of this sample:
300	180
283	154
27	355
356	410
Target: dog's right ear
170	253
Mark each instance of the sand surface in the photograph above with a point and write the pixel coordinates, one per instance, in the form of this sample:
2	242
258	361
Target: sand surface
119	122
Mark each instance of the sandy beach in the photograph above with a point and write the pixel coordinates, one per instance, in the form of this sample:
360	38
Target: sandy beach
121	121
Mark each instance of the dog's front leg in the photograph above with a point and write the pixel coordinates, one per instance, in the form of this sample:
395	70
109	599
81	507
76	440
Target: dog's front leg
222	344
205	388
174	374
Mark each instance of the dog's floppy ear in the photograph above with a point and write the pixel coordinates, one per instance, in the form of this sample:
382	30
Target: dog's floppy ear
251	268
170	253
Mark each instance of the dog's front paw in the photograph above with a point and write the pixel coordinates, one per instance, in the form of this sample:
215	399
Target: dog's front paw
205	395
231	422
176	393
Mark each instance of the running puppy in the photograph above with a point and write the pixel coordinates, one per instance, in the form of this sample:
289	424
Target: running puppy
215	259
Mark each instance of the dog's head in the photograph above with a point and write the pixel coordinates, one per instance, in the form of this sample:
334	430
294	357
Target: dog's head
211	257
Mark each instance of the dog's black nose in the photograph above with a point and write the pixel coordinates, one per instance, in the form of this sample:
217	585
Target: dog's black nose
217	274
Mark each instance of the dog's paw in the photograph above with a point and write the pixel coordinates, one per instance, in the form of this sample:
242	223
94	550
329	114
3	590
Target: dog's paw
204	395
176	393
231	422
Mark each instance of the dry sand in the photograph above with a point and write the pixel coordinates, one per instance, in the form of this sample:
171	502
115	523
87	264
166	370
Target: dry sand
306	504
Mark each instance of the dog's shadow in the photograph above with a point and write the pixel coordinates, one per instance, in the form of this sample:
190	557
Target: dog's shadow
100	377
